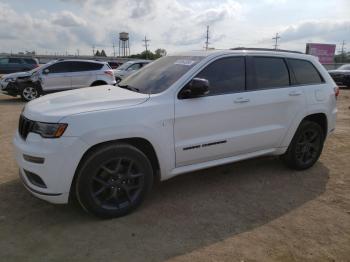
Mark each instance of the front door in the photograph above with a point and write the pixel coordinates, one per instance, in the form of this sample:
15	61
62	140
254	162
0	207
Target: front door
57	77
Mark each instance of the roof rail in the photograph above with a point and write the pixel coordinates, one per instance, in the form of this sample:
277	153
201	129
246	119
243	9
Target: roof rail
265	49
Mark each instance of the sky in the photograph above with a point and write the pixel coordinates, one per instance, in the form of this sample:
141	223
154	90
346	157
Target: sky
72	26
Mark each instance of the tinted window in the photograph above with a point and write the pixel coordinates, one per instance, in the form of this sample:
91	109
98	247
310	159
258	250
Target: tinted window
30	61
226	75
61	67
15	61
4	61
305	72
85	66
270	72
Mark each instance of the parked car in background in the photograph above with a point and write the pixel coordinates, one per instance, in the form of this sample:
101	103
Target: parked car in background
56	76
114	64
16	64
179	114
341	75
128	68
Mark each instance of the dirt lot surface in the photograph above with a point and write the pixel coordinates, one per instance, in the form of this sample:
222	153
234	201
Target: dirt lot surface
255	210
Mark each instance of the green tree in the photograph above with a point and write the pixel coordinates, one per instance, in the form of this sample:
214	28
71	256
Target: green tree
97	53
103	53
160	52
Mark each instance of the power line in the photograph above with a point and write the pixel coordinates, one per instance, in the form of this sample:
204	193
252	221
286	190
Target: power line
276	38
146	44
207	39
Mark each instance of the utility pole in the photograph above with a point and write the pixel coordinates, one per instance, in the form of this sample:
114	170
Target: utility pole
207	39
93	50
146	45
78	51
276	38
342	51
113	49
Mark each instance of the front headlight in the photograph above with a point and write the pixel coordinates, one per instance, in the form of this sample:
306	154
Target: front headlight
9	80
49	130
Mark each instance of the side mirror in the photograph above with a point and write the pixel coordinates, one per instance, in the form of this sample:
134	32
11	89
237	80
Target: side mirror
197	87
46	71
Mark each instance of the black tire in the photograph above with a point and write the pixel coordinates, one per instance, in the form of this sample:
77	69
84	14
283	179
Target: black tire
29	93
305	147
113	180
117	79
98	83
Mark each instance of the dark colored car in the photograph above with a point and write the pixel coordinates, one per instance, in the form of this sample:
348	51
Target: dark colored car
341	75
10	65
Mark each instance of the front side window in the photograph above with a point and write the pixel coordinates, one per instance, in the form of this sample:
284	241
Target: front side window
135	67
226	75
61	67
4	61
15	60
305	73
270	72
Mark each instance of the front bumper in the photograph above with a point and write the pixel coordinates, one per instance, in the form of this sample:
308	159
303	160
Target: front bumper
61	158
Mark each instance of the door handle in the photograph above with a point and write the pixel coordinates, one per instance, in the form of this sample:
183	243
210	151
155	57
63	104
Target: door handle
241	100
295	93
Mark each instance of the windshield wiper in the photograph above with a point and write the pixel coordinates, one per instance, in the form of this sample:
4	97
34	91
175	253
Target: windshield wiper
130	88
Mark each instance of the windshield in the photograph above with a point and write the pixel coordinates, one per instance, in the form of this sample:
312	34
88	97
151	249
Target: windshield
344	67
161	74
125	66
40	67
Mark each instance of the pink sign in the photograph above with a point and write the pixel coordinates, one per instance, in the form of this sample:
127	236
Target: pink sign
324	52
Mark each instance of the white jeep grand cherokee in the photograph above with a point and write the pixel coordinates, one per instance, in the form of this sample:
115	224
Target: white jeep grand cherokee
107	145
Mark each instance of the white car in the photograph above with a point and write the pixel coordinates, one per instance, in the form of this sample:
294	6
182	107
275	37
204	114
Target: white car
128	68
58	75
181	113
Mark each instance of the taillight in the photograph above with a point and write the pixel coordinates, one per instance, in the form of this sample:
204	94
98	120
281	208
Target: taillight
336	92
110	73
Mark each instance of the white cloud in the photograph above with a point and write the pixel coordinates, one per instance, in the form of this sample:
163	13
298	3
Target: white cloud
171	24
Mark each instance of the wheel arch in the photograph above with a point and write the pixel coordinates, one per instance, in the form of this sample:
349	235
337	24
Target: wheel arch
320	119
140	143
99	83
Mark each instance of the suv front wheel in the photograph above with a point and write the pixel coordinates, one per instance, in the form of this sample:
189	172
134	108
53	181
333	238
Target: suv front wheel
306	146
29	93
113	180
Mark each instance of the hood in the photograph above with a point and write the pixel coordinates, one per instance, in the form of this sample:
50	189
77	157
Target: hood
15	75
53	107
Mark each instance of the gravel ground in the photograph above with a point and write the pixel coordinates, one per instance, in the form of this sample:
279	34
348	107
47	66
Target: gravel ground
255	210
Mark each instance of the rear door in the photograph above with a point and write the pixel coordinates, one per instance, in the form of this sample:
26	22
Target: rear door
272	104
84	73
57	78
16	65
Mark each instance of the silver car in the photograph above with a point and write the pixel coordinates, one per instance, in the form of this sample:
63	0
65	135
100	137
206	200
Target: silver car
128	68
56	76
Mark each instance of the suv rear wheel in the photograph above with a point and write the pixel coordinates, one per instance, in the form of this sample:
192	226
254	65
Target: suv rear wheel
114	180
29	93
306	146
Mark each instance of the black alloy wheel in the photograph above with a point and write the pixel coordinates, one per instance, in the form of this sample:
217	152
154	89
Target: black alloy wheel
113	180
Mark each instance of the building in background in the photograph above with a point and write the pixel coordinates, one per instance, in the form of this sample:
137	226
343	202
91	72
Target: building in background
324	52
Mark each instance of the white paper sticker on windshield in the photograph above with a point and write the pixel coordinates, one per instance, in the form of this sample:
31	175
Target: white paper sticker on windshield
184	62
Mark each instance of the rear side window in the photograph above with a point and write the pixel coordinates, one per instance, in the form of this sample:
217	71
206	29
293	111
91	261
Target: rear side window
15	61
226	75
305	72
270	72
85	66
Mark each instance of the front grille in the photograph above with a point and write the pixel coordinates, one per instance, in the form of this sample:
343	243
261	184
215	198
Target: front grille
25	126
